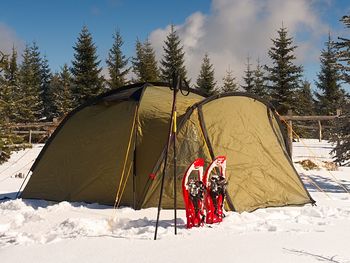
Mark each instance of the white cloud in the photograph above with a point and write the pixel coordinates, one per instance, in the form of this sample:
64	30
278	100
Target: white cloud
8	38
235	29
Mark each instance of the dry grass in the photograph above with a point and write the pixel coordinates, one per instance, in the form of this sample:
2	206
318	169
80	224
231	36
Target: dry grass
330	166
308	165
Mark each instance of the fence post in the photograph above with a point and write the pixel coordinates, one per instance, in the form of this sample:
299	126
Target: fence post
30	136
319	131
338	112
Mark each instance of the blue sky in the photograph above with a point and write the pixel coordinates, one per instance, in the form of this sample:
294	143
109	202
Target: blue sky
56	25
229	30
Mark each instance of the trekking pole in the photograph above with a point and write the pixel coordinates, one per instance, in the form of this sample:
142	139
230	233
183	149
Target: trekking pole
176	89
170	136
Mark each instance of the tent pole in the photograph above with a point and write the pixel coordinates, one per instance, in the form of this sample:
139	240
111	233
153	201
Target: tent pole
170	136
134	166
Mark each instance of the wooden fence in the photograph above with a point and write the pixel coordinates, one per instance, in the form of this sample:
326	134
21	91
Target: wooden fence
288	119
45	129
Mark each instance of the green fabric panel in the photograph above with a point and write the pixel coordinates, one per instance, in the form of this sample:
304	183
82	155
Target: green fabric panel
153	128
259	173
278	132
84	162
189	146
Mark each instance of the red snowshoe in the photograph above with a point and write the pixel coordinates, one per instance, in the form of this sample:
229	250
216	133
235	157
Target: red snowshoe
193	193
215	190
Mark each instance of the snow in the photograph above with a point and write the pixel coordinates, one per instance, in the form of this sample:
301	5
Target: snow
43	231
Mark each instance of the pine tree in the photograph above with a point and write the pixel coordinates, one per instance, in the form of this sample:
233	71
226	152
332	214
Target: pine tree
343	47
206	80
305	106
259	85
5	136
137	66
173	58
61	86
331	95
9	87
67	87
46	93
4	87
305	100
283	75
40	85
86	71
117	63
3	61
341	136
36	65
30	104
229	82
11	71
145	63
248	78
341	133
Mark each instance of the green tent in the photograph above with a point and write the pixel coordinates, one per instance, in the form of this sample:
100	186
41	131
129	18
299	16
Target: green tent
114	146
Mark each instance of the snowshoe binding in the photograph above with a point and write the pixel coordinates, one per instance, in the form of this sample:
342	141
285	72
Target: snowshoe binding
193	191
215	190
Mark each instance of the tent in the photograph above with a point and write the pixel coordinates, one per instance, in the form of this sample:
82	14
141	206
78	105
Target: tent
115	144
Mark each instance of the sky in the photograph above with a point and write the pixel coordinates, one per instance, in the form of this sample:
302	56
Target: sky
228	30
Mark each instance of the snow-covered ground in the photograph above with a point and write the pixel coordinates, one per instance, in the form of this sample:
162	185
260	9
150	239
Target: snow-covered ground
41	231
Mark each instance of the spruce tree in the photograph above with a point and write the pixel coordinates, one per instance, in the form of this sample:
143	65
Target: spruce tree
36	65
229	82
137	66
341	133
30	104
248	78
61	86
259	85
117	63
9	87
343	47
206	80
331	95
305	100
41	77
46	92
11	71
4	90
85	70
145	63
3	66
283	75
5	136
305	106
341	136
66	103
173	58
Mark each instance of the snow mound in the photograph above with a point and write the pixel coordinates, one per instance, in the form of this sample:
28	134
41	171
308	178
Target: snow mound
28	222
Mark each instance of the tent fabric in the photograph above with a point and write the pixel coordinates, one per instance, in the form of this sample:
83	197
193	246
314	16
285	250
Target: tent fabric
260	173
87	156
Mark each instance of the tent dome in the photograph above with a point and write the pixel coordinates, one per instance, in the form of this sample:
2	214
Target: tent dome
115	144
